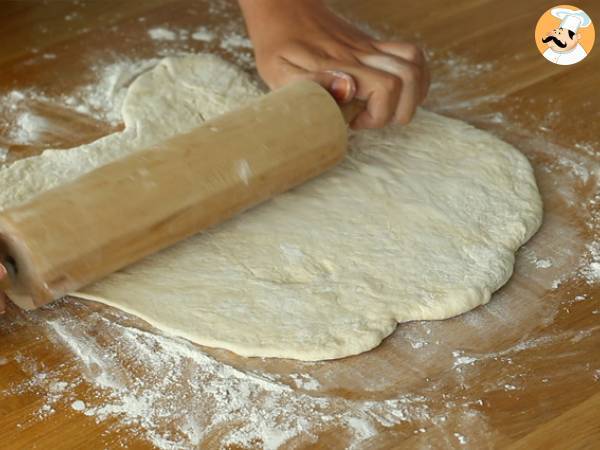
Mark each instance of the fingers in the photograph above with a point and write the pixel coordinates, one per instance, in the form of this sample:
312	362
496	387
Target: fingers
407	77
392	79
380	90
412	54
339	84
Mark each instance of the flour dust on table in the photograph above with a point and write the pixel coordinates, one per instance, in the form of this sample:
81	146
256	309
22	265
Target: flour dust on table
419	222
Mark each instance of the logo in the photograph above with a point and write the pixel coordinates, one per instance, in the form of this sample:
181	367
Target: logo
565	35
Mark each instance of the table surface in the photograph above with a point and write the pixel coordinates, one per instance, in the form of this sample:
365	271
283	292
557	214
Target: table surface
520	372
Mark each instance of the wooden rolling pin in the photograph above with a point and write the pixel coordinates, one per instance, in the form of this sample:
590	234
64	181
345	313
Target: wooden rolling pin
80	232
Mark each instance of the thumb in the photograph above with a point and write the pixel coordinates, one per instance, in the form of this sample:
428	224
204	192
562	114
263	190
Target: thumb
339	84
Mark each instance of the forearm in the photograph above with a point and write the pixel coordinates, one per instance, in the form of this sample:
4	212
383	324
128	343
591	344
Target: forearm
272	13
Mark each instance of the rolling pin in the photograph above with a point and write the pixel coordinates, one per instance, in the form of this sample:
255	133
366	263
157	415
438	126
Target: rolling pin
115	215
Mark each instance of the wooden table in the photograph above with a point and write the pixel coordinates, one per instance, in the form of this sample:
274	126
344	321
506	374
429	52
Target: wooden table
521	372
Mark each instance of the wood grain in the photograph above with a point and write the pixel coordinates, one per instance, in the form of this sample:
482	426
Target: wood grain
580	425
535	382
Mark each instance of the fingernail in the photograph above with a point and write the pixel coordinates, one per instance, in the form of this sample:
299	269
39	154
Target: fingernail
340	88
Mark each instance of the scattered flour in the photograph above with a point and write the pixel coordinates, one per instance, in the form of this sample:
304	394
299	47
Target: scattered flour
461	439
305	381
203	34
577	169
238	47
591	270
170	382
78	405
461	360
162	34
28	128
3	154
234	41
543	263
103	98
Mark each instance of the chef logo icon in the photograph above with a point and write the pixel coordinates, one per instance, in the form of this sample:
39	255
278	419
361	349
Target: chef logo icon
564	35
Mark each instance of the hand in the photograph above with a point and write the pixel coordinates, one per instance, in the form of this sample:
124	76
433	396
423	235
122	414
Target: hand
302	39
3	273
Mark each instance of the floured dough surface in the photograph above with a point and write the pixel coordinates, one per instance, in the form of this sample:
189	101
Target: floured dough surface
419	222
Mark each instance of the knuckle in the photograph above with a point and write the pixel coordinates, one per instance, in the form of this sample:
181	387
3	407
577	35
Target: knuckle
379	118
414	53
389	83
411	73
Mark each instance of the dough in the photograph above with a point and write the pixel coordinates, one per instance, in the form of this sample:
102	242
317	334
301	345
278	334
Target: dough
419	223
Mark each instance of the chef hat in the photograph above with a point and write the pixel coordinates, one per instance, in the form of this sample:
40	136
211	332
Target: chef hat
571	19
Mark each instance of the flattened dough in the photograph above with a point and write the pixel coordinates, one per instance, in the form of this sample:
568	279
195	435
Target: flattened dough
420	222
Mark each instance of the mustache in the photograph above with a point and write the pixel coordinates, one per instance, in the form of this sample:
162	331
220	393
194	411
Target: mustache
556	41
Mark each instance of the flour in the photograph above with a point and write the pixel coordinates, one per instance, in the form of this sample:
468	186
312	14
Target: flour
47	384
78	405
203	34
162	34
461	439
28	128
103	99
305	381
543	263
578	170
236	45
178	385
448	69
461	360
591	271
98	364
363	429
233	41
